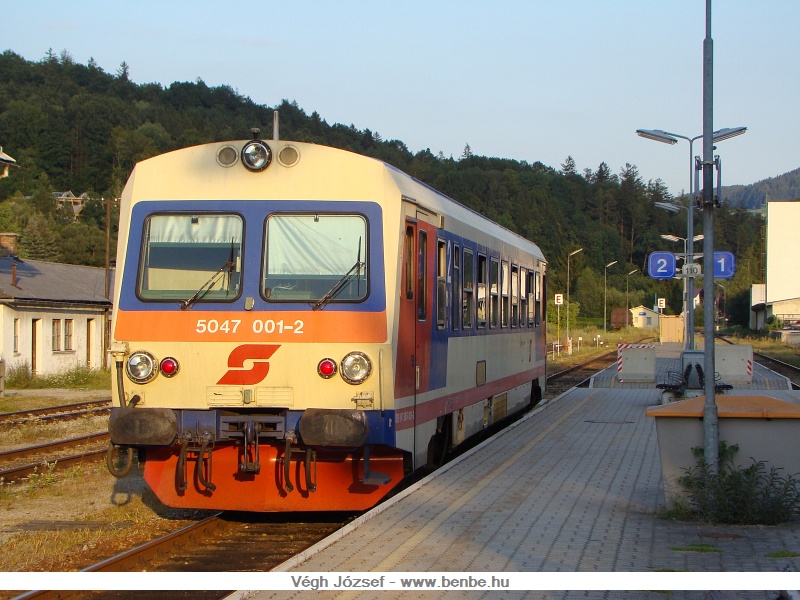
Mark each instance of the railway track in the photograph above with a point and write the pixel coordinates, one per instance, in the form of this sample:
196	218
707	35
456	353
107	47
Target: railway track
52	456
20	463
224	542
64	411
254	542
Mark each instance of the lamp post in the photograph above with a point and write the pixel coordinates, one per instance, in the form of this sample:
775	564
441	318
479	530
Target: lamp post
570	255
667	137
605	292
627	302
688	286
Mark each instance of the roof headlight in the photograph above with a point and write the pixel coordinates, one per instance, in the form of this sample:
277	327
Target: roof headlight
141	367
356	367
256	155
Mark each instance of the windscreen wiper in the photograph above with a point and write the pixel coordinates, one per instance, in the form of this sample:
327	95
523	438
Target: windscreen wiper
226	268
336	289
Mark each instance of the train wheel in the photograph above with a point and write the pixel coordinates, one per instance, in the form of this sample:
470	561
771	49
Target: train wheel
439	443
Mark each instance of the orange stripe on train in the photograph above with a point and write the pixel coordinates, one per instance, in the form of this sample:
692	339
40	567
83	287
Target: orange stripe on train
252	327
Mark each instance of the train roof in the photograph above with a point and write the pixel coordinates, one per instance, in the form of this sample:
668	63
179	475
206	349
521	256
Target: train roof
336	166
429	197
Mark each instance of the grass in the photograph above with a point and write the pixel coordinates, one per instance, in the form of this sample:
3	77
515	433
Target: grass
20	378
763	344
590	346
784	554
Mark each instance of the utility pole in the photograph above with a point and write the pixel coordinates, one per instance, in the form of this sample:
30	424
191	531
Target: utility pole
710	413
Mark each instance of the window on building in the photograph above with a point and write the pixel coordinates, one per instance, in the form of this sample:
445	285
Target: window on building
56	335
68	332
16	336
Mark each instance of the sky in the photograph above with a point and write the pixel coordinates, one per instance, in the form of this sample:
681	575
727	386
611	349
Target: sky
533	80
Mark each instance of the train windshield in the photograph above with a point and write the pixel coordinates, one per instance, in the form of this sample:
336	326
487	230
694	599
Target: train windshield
191	257
316	258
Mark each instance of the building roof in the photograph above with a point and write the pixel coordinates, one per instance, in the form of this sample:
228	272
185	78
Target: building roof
36	281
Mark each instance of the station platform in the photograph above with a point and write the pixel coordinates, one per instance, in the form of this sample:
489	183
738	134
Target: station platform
574	486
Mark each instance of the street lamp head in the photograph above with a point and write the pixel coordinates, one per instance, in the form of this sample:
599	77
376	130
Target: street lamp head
673	208
657	135
697	238
632	272
611	263
672	238
576	251
727	133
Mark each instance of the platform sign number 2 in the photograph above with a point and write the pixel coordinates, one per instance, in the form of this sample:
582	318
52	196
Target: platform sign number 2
661	265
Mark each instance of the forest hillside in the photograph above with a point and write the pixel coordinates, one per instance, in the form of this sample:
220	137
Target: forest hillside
76	127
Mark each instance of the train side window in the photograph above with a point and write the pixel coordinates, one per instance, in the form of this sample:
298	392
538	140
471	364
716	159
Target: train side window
523	298
422	276
455	279
494	293
441	283
532	298
482	282
409	263
191	258
468	298
505	284
514	295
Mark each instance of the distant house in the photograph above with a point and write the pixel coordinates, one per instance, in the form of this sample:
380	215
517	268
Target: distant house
644	317
53	317
76	203
5	163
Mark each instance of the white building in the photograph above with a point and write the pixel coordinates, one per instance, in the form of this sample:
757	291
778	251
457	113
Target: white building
642	316
53	317
783	284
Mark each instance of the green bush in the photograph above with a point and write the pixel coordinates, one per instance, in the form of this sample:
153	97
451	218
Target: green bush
740	495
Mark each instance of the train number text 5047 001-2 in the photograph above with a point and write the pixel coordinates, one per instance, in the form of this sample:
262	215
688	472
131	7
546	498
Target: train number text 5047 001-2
268	326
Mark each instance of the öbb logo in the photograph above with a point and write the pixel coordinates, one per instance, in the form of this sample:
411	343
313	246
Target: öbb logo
238	375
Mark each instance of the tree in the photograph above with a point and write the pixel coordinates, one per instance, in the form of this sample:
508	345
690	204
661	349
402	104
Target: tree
467	152
568	167
124	71
38	240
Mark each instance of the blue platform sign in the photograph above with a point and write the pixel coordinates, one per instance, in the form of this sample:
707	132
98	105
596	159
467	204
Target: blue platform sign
724	265
661	265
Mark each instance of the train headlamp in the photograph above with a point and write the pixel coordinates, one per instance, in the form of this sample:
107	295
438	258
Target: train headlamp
256	155
141	367
356	367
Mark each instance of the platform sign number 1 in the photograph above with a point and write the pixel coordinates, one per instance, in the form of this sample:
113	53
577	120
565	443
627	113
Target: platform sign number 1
724	265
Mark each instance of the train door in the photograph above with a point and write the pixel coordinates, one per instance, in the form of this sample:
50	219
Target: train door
414	331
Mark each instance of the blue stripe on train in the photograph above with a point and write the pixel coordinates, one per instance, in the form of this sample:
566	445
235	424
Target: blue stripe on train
255	213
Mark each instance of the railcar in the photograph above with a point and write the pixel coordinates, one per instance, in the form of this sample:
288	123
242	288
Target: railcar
298	327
